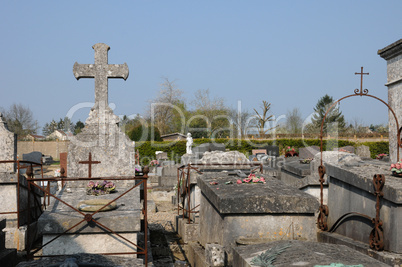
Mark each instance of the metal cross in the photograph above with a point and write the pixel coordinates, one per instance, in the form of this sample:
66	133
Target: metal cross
89	162
101	71
361	82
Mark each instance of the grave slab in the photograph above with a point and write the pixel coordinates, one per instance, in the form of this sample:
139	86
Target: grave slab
86	237
304	253
273	211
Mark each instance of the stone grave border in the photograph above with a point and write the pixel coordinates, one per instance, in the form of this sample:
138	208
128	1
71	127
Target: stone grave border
376	238
88	217
184	183
21	165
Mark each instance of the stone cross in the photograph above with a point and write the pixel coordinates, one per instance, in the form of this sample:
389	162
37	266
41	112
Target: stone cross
89	162
101	71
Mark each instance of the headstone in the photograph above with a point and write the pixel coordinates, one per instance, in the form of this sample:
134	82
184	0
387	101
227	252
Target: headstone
393	55
101	149
102	135
34	156
8	144
308	152
272	150
363	151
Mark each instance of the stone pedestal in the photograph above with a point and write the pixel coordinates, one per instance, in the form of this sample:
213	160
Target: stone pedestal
351	190
239	213
89	237
393	55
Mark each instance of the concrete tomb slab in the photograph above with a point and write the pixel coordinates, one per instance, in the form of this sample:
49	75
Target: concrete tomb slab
304	253
230	212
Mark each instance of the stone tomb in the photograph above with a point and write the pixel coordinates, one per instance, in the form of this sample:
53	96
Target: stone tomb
90	237
351	190
232	214
100	150
304	253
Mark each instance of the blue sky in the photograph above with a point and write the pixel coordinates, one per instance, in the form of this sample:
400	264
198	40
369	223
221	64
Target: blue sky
289	53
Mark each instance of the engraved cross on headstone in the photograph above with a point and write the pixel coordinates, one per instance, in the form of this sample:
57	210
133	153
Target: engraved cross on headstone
101	71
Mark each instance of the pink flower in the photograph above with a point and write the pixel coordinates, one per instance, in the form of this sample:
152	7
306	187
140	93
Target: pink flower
256	180
246	180
262	179
398	166
393	166
239	181
288	147
293	149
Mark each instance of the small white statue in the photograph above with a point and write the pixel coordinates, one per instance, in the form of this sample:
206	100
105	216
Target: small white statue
189	144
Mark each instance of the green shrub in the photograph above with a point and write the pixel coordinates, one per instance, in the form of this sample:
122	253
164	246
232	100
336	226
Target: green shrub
175	149
141	133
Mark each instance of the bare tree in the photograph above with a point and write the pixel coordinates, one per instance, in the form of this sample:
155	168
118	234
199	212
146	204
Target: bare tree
263	118
213	111
20	120
294	121
242	121
167	106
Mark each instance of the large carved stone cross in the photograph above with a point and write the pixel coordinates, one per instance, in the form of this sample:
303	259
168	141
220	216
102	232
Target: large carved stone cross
101	71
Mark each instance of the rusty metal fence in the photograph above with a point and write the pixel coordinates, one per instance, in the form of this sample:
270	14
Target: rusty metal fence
86	217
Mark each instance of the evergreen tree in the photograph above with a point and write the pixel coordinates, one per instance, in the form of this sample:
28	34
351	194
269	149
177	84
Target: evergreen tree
333	116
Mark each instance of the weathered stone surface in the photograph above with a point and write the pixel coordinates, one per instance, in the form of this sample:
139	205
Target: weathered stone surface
304	253
334	157
85	259
308	152
295	167
272	197
59	217
34	156
102	135
354	185
363	151
219	157
96	204
393	55
8	144
215	255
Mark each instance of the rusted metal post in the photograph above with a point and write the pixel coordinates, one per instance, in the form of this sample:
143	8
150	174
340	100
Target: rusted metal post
377	234
178	190
145	181
18	194
188	209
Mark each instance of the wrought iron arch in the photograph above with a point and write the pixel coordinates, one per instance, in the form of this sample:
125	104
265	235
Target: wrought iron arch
376	235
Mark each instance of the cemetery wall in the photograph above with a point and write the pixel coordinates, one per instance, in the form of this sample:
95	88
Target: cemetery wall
52	148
